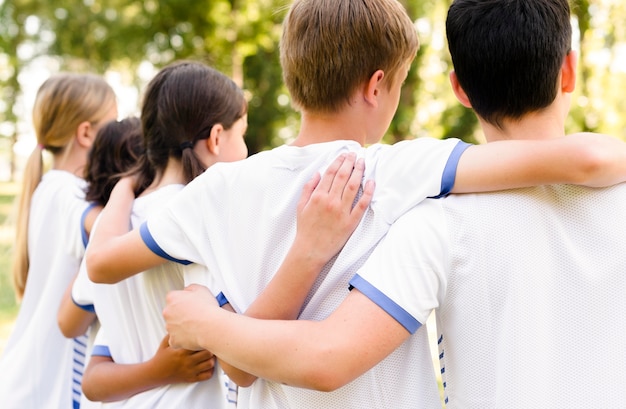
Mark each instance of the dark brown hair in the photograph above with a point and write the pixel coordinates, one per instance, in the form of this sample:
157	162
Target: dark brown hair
117	148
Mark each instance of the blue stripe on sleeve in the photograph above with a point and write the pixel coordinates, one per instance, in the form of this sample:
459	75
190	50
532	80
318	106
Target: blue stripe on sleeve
156	249
83	230
87	307
398	313
221	299
449	172
101	350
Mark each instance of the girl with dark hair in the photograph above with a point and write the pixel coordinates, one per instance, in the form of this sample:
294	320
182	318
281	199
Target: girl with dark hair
192	117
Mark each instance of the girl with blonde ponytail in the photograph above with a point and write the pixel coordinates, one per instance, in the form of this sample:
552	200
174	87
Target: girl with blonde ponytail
36	368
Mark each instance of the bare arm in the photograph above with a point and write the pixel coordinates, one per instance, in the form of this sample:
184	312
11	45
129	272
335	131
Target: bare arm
326	219
114	253
73	321
106	381
588	159
322	355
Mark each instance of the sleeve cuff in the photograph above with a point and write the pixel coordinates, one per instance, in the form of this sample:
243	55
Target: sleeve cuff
155	248
387	304
449	172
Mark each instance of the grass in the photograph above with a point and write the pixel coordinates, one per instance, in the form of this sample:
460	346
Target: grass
8	304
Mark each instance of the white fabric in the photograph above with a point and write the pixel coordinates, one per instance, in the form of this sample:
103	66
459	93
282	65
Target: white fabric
238	219
130	315
36	367
529	286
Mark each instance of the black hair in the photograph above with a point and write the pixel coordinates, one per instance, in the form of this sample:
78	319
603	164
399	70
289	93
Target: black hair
181	105
116	149
508	54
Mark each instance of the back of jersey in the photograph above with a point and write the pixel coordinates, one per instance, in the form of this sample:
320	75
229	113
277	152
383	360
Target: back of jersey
533	315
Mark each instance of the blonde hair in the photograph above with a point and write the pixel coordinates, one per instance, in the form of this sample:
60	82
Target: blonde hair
63	102
330	47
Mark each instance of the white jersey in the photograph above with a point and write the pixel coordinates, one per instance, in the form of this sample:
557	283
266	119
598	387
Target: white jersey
36	368
239	220
132	325
529	288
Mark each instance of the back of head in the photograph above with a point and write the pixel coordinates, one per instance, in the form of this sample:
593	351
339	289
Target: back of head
117	148
330	47
63	102
181	105
508	54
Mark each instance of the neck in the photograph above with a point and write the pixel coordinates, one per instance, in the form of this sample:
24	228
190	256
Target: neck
73	159
537	125
327	127
171	175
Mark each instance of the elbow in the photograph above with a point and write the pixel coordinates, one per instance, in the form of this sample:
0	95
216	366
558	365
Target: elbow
94	271
90	391
595	169
243	381
67	330
326	375
326	380
599	164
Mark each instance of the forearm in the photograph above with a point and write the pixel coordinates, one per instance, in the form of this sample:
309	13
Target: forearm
584	159
106	381
73	321
273	357
319	355
282	299
106	244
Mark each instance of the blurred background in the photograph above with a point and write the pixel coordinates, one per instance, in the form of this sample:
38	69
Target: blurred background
129	40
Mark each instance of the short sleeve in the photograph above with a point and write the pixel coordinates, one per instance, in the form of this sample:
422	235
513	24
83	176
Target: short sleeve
406	275
177	232
408	172
101	344
82	290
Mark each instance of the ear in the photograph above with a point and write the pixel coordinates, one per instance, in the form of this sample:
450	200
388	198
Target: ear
85	134
458	90
568	72
372	88
213	141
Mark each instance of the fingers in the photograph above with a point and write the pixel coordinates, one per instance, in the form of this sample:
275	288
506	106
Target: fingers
350	188
341	166
363	203
165	342
308	190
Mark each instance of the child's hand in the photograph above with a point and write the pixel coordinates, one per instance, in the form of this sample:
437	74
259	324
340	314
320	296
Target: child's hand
327	212
185	314
127	184
182	365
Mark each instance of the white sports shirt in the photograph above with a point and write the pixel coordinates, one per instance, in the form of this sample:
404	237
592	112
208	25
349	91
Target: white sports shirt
529	287
36	367
132	325
239	220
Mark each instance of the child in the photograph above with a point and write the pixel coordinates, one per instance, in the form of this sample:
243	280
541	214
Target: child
36	368
344	62
192	117
528	283
117	147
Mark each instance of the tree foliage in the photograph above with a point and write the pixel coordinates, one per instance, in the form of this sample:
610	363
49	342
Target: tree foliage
240	38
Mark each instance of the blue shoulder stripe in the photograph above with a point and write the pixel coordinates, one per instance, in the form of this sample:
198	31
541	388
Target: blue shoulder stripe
156	249
449	172
83	230
397	312
101	350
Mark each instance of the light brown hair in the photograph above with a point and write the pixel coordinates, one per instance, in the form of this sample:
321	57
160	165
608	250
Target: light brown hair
331	47
63	102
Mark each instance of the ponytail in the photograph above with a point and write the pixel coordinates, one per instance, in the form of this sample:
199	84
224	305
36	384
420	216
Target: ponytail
32	176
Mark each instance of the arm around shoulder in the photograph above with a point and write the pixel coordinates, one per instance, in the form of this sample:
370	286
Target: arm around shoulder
588	159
